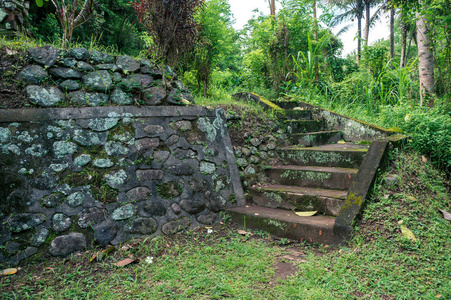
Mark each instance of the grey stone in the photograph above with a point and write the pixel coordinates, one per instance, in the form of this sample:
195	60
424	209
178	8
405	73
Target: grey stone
11	248
44	96
217	204
36	150
169	190
68	62
137	194
91	99
62	148
65	73
33	74
76	199
263	155
172	140
102	163
45	181
149	175
207	167
101	57
39	237
60	222
178	84
197	185
147	143
155	208
5	135
24	221
103	124
119	97
109	67
254	159
67	244
241	162
175	226
127	63
181	169
207	219
155	95
104	232
69	85
82	160
115	149
141	226
176	208
153	129
152	70
89	138
246	151
174	97
184	154
136	82
79	53
116	179
253	150
182	125
3	14
124	212
117	77
161	156
85	66
91	216
192	206
249	171
98	81
46	55
255	142
52	200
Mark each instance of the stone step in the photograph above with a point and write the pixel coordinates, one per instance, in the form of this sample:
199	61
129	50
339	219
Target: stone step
291	114
285	104
286	224
312	176
298	198
302	126
345	155
312	139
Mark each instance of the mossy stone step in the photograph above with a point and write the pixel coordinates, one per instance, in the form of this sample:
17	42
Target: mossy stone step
286	104
286	224
312	176
302	126
291	114
332	155
312	139
298	198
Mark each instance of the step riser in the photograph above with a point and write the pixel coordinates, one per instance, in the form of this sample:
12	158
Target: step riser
297	114
285	104
316	139
297	202
322	158
285	229
305	126
327	180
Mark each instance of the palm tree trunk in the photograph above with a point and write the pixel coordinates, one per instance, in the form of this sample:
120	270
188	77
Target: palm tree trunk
272	7
315	35
425	60
392	34
367	21
359	28
403	40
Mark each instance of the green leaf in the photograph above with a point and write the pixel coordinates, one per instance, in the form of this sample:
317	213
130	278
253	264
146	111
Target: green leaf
407	233
39	3
306	213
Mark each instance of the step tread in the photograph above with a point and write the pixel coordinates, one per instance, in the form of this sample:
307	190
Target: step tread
325	222
319	132
296	190
315	169
346	147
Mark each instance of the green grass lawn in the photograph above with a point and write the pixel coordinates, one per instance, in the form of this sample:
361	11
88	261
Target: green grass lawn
378	263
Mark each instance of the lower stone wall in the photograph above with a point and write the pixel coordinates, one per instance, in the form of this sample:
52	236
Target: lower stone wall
73	178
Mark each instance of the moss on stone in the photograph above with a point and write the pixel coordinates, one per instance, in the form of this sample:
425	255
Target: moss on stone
169	190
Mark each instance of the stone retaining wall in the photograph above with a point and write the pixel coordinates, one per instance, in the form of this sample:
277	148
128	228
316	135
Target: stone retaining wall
74	177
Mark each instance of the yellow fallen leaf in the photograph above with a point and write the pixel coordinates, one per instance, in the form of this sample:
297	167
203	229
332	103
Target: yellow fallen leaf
243	232
306	213
407	233
341	142
124	262
10	271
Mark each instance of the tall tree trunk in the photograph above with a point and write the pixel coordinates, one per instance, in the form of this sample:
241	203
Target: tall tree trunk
359	28
392	34
315	35
367	21
403	39
272	7
425	60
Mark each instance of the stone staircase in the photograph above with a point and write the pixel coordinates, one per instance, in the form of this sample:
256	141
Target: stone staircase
315	175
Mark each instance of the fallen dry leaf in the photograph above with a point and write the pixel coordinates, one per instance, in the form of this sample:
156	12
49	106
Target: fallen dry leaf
407	233
243	232
446	214
306	213
424	159
124	262
9	271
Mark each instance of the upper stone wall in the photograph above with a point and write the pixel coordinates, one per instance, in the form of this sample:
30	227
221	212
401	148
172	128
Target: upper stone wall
77	77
